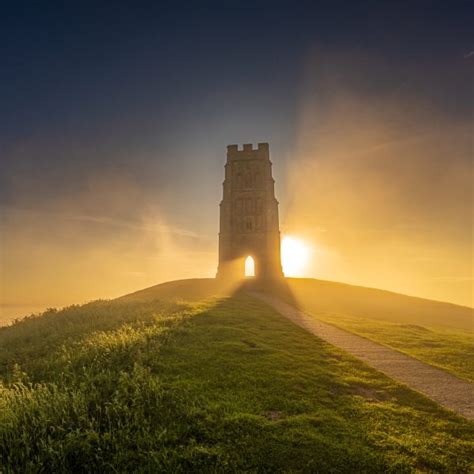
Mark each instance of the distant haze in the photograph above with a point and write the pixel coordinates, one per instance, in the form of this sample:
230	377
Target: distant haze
115	125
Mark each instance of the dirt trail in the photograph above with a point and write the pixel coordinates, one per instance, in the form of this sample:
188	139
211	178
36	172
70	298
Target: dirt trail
442	387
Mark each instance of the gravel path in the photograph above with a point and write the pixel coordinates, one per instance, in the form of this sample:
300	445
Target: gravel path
442	387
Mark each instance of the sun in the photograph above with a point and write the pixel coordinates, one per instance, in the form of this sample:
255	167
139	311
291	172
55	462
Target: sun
295	255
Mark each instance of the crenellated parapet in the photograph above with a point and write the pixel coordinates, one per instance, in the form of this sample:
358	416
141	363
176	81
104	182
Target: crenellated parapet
248	151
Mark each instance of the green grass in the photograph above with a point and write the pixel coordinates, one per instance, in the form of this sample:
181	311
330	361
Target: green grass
439	334
340	298
223	385
447	349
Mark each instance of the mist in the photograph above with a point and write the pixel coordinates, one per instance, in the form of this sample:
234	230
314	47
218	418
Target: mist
372	165
381	181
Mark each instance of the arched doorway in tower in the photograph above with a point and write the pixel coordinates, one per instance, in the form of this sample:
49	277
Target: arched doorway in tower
249	267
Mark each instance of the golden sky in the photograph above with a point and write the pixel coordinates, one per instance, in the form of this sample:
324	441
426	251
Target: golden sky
375	179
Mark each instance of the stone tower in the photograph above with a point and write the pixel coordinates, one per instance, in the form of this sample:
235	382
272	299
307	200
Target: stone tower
249	215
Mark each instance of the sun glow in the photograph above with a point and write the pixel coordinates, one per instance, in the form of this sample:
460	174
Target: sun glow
295	255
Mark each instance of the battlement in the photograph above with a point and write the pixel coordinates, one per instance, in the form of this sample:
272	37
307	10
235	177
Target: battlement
248	151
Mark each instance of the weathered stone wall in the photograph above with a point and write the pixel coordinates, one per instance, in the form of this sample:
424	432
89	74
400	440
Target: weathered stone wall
249	214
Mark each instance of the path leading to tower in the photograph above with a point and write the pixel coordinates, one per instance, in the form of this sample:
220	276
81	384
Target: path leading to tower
446	389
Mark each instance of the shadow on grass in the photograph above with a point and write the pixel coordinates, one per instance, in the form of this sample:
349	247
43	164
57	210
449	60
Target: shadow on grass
279	288
227	385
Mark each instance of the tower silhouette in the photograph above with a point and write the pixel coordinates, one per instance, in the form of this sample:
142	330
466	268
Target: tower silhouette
249	215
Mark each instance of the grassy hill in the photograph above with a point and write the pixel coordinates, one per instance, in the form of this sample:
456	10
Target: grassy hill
331	297
440	334
171	379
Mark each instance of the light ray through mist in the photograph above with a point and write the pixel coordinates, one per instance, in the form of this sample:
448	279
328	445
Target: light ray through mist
381	185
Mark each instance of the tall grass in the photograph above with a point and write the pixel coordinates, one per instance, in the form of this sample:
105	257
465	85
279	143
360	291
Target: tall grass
219	386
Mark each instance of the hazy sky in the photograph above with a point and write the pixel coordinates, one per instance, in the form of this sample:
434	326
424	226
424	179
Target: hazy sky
115	117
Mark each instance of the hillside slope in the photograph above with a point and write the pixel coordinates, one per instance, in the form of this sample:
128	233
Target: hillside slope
218	385
330	297
192	289
437	333
333	297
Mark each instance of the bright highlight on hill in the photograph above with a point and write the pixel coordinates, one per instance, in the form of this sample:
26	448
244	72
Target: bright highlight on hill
295	256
